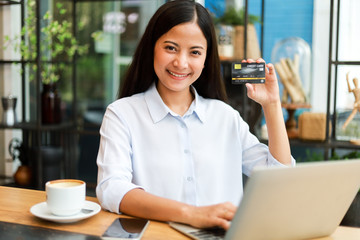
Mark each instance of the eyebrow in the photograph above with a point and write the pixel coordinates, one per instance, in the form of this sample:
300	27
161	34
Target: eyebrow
194	47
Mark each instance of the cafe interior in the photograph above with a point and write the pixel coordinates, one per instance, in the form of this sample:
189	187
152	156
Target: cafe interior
62	63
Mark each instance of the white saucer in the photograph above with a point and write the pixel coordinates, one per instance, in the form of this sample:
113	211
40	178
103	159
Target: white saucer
41	210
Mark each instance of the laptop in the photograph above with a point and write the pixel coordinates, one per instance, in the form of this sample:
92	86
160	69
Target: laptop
302	202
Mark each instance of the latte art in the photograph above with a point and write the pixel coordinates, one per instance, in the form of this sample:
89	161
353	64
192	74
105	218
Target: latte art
65	184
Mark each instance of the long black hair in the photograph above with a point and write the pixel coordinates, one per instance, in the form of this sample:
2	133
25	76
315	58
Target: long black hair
141	74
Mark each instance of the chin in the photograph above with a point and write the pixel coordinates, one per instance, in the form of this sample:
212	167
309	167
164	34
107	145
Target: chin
177	87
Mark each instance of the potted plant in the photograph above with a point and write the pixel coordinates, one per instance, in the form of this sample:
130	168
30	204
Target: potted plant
231	31
58	46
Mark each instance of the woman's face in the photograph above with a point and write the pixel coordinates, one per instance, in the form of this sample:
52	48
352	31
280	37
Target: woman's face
179	57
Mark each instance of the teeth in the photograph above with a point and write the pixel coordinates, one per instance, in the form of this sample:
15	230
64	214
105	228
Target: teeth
177	75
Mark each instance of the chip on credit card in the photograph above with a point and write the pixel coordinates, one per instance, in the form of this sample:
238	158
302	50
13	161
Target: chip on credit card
248	73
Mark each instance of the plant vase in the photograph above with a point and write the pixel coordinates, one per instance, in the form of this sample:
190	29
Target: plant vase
252	44
50	104
23	176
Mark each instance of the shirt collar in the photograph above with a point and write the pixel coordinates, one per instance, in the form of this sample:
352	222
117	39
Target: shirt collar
158	109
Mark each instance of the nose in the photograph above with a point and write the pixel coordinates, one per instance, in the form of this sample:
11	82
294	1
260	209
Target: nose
181	61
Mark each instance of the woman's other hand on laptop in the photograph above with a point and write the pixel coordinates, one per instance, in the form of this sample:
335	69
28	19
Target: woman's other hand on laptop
210	216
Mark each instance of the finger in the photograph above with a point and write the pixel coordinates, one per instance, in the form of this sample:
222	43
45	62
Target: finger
229	211
228	205
259	60
224	224
231	207
270	67
250	90
220	222
228	215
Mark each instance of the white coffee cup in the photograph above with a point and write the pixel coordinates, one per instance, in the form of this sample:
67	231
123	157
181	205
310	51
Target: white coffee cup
65	197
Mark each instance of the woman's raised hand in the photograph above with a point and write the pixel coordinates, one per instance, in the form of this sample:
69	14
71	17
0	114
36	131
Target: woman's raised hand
269	91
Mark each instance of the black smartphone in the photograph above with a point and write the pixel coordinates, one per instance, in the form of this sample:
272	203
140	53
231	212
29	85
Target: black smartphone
126	228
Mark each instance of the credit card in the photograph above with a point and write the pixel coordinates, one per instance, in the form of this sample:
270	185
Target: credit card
247	73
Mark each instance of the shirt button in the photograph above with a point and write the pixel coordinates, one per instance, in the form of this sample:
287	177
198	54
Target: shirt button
189	179
186	151
182	125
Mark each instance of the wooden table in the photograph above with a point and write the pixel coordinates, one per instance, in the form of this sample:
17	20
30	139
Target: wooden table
15	204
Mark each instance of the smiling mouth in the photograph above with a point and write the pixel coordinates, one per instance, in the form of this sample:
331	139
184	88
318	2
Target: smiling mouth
178	75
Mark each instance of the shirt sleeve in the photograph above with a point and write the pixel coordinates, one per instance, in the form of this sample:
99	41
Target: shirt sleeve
255	153
114	161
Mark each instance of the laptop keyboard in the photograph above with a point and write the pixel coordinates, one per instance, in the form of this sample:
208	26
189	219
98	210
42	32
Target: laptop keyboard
215	233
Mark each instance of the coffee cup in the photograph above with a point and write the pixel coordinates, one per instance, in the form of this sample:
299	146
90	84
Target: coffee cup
65	197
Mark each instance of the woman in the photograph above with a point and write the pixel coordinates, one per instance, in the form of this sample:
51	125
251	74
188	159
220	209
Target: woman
171	149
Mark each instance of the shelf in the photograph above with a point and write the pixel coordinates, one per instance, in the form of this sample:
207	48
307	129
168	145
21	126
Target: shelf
34	61
9	2
10	61
230	60
345	62
324	144
34	133
34	126
331	144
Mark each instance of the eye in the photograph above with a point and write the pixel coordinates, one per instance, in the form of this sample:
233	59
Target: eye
170	48
196	52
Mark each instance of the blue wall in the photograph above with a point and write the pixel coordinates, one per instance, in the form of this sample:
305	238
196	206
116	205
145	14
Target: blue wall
283	18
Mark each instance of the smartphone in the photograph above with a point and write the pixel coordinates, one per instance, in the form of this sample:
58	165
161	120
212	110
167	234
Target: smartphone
126	228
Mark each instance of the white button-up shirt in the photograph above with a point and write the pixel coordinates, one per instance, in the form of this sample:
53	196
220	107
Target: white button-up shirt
197	158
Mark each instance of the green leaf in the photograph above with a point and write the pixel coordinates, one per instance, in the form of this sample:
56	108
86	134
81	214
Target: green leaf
62	11
59	48
31	3
59	5
81	25
47	15
23	31
233	16
98	35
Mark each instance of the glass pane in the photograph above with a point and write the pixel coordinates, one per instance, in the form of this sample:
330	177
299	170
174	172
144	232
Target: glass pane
349	48
345	96
11	38
112	30
348	95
